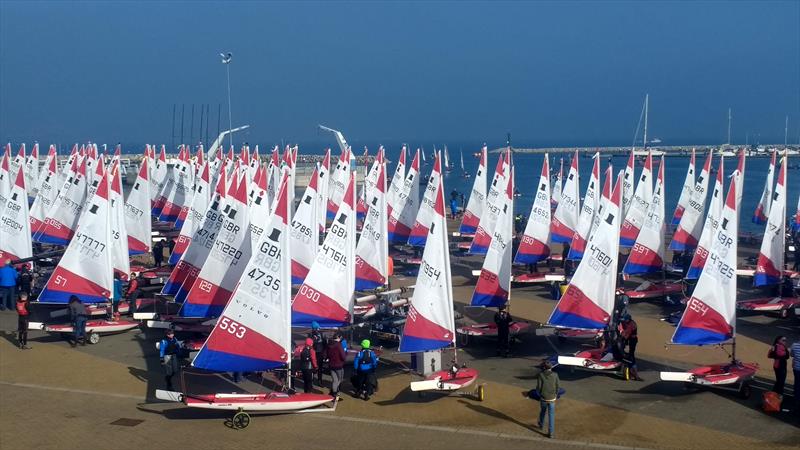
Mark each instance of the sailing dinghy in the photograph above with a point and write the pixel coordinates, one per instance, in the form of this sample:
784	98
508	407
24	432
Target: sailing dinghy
430	324
254	331
588	302
476	205
710	315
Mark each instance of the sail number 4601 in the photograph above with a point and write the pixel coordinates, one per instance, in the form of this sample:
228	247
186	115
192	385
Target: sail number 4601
232	327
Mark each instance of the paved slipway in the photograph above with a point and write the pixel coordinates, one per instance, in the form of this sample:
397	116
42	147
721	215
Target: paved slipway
53	396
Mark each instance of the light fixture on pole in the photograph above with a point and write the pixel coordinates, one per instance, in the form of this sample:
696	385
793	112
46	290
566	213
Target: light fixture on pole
226	59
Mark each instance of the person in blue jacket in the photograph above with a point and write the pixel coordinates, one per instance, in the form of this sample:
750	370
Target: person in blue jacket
8	286
365	364
116	295
170	349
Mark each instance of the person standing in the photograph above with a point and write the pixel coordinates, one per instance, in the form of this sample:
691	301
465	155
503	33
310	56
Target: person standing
779	353
319	348
133	292
547	384
336	356
8	286
170	352
22	321
158	253
308	365
503	321
365	364
629	334
795	351
171	246
78	316
116	295
25	280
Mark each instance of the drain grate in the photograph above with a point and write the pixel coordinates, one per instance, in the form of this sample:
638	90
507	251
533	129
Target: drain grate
123	422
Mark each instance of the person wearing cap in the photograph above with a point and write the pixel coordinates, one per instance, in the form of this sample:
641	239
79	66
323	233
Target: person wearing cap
365	364
320	342
170	350
628	332
503	321
335	354
548	384
308	365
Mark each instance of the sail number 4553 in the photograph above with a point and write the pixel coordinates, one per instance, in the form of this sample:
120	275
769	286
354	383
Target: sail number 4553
232	327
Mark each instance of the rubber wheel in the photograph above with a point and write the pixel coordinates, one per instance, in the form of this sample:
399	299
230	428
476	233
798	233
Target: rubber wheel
784	314
745	391
481	393
94	338
241	420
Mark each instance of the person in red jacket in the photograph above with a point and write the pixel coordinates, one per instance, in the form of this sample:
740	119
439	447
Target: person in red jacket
336	356
308	365
22	322
780	353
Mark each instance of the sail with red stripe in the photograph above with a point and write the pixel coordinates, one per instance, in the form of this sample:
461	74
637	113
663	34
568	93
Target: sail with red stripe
47	192
796	222
323	177
430	323
15	227
369	184
402	217
195	255
762	209
32	172
326	295
226	261
372	250
419	232
555	196
5	179
710	225
120	257
627	185
180	193
688	232
588	301
476	205
304	233
494	283
253	332
494	198
591	203
535	243
62	219
770	263
639	205
710	314
158	178
258	200
396	185
647	254
337	184
86	270
686	192
137	214
565	219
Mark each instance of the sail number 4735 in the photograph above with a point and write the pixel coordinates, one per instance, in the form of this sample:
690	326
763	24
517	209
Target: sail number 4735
232	327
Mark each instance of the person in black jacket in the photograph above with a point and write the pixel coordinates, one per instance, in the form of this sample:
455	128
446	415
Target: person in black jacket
503	321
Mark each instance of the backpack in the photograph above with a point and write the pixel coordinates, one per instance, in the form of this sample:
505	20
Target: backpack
305	358
365	358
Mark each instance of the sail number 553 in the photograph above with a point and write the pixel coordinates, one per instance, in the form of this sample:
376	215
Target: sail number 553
232	327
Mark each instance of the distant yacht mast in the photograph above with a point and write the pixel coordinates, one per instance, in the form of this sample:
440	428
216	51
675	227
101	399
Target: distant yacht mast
646	108
729	126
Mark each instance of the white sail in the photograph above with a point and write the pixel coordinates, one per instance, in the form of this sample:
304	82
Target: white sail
494	197
46	194
120	258
535	243
565	219
476	205
591	203
304	233
372	250
15	227
639	205
401	219
770	264
710	226
688	232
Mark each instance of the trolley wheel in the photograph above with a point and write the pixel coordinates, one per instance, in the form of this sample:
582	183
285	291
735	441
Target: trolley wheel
785	313
745	391
481	392
240	420
94	338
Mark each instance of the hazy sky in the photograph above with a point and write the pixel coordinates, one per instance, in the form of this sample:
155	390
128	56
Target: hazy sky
551	73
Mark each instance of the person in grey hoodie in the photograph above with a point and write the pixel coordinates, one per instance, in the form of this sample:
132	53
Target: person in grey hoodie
547	383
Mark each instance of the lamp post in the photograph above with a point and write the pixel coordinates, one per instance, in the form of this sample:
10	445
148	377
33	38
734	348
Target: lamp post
226	60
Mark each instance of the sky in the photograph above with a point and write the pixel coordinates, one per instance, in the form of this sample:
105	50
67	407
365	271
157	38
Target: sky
552	74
